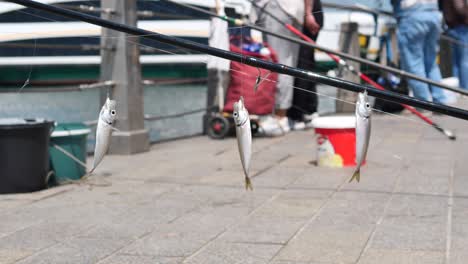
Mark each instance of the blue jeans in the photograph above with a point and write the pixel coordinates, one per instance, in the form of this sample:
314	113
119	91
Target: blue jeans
460	54
418	36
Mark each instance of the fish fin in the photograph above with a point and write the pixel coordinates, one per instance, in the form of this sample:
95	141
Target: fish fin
115	129
248	184
356	176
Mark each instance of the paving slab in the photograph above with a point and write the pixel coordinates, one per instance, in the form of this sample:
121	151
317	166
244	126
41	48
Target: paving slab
8	256
385	256
221	253
131	259
77	250
325	244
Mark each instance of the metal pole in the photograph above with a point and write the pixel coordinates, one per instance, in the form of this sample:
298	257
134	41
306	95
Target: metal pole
121	63
349	43
279	68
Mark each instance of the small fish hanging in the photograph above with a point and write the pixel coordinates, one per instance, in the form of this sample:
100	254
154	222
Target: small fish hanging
363	131
244	138
107	117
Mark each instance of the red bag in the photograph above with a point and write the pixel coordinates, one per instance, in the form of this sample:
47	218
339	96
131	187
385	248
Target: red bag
243	79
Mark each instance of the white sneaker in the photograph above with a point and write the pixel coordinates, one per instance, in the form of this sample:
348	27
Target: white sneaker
309	118
284	124
297	125
273	127
268	126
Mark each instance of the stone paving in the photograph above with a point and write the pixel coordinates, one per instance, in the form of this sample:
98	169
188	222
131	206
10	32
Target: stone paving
184	202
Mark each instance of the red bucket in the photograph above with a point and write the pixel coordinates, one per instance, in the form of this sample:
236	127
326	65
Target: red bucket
336	141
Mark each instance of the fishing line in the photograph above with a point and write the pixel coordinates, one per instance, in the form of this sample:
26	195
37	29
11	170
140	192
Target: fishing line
96	37
26	83
335	53
108	92
225	18
242	84
242	48
364	77
291	71
338	99
260	79
127	37
70	155
108	88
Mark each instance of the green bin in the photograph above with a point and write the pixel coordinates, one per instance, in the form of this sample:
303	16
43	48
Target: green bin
70	138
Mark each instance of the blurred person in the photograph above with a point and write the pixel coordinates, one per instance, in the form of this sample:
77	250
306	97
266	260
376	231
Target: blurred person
218	68
305	101
298	13
456	17
419	28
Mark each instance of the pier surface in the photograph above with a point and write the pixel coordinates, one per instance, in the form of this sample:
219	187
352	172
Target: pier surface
184	202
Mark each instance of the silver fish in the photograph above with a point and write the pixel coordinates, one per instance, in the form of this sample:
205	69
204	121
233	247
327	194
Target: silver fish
363	131
244	138
107	116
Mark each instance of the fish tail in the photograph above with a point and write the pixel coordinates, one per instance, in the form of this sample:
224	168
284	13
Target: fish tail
248	184
356	176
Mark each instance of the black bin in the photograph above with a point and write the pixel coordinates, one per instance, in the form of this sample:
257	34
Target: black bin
24	154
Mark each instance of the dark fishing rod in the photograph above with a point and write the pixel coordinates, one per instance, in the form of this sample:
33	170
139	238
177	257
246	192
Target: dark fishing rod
361	75
453	40
314	45
248	60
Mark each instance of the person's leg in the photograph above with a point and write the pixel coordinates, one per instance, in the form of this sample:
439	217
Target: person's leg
213	80
430	54
223	85
305	97
287	54
460	51
455	60
305	101
411	45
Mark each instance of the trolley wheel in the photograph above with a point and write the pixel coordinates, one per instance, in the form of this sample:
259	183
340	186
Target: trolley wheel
254	126
218	127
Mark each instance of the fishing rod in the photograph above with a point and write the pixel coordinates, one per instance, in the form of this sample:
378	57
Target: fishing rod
454	40
248	60
355	71
239	22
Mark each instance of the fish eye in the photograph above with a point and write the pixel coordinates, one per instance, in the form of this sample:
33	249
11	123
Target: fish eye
235	114
113	112
367	105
